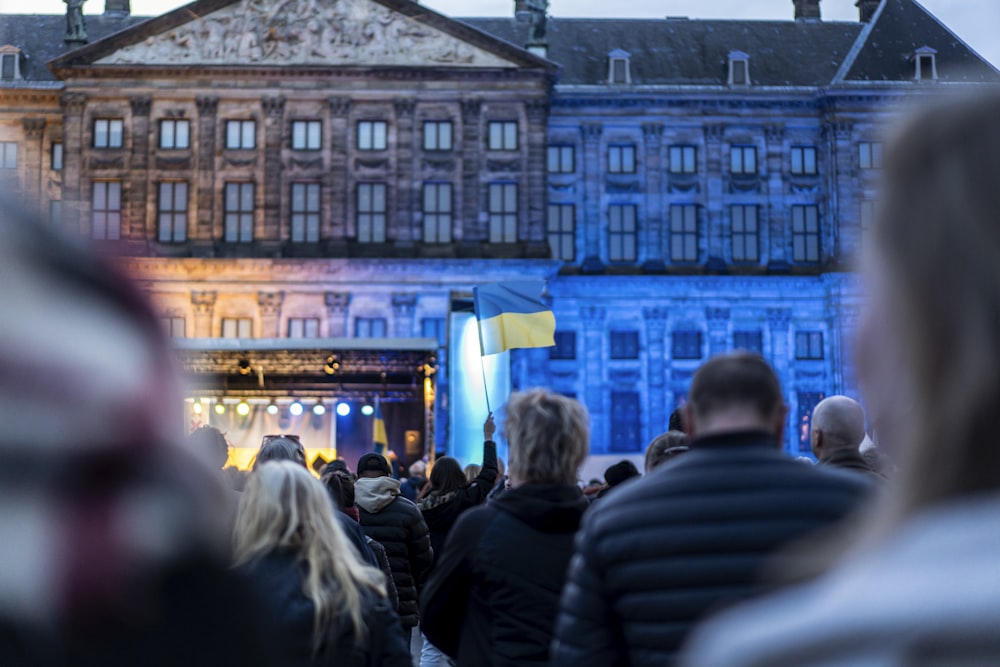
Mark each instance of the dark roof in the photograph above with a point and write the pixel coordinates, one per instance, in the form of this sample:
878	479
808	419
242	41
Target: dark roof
40	37
690	52
903	26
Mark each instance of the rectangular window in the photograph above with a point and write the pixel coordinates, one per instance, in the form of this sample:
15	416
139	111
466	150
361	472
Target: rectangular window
739	72
8	63
503	212
684	233
437	135
241	134
807	402
56	156
237	327
437	212
624	344
565	347
870	154
8	155
619	70
748	341
623	233
562	231
805	234
369	327
305	212
303	327
809	345
683	159
55	212
685	345
174	327
172	215
108	132
621	159
307	135
503	135
106	210
804	160
746	240
626	418
373	135
174	134
434	327
742	160
239	208
561	160
371	212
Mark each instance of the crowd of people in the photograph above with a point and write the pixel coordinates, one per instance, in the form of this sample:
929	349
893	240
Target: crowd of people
122	542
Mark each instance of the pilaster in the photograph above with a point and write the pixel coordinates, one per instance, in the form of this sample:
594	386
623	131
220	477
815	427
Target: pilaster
654	237
337	306
274	123
713	216
592	191
593	319
406	187
73	105
208	210
535	186
270	313
138	170
403	306
656	397
31	186
718	330
340	142
203	307
773	219
472	151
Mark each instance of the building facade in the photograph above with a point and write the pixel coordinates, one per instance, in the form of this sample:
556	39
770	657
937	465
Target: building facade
341	169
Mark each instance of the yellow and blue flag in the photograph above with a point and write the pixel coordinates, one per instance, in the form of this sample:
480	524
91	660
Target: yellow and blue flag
380	443
512	315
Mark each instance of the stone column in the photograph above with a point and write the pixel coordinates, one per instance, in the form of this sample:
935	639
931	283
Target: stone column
138	172
473	146
406	186
593	318
203	307
73	105
844	190
274	124
779	322
718	330
712	219
772	219
591	165
209	224
337	177
656	370
534	186
270	313
403	307
337	305
654	236
31	186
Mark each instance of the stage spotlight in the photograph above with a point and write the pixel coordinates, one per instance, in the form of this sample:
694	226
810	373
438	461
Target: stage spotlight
272	408
242	408
196	406
367	410
244	367
319	409
220	407
343	409
295	408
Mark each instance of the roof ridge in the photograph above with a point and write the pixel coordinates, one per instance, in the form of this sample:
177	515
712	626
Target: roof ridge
859	44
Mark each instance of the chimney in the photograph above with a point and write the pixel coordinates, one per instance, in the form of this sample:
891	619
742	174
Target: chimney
117	8
807	10
867	9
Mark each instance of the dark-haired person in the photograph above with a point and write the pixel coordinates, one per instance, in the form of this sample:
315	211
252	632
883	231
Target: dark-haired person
656	557
616	475
493	596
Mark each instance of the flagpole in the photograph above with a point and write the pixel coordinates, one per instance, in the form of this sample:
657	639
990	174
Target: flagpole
486	391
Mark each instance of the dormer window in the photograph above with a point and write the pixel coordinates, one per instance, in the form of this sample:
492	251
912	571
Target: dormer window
739	69
925	60
619	67
10	63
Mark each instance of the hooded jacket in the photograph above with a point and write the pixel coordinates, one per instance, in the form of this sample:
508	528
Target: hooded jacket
494	594
396	523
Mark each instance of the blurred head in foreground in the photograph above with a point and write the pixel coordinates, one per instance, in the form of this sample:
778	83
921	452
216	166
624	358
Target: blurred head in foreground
549	437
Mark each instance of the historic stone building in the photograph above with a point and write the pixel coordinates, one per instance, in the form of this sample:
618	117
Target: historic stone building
349	169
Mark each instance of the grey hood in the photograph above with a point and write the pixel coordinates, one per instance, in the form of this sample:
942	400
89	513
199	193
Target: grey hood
374	494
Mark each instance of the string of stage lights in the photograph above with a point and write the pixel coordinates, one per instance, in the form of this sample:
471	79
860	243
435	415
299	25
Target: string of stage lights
295	407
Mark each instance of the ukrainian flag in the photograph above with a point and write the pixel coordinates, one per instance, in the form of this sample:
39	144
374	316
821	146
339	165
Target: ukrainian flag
380	443
512	315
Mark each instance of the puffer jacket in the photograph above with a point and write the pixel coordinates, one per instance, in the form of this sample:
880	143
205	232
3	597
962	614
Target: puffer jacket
396	524
277	580
657	556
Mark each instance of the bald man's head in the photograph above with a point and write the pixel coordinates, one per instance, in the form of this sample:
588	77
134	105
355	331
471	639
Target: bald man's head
837	423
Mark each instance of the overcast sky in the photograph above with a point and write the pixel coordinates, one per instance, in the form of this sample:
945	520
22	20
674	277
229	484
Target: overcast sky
975	21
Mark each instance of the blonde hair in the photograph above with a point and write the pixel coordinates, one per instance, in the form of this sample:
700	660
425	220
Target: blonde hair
549	437
285	508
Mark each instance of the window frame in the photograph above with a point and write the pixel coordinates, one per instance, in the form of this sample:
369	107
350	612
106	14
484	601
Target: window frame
372	135
370	323
565	346
870	155
305	221
241	135
56	156
503	131
9	154
311	129
12	58
111	217
801	234
503	220
108	123
562	241
174	123
810	345
626	420
680	253
756	334
622	159
623	233
240	324
738	154
438	211
556	158
235	220
682	151
739	237
170	324
683	340
624	344
432	137
304	324
371	218
172	216
803	166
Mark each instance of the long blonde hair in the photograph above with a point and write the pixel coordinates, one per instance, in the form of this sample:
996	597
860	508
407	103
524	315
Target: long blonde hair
285	508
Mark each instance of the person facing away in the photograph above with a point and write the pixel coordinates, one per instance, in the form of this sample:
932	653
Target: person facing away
920	586
657	556
396	524
836	431
327	606
616	475
493	596
664	448
411	487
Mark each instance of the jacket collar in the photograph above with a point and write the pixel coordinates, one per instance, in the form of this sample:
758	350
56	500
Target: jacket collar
741	439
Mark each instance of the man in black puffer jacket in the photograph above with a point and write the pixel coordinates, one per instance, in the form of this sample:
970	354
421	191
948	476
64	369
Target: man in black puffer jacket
656	557
397	524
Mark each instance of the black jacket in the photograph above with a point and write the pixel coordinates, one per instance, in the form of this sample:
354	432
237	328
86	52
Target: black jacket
397	525
441	512
493	596
277	579
848	459
657	556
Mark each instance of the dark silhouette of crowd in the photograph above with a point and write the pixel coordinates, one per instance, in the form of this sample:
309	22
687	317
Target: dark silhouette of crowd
123	542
